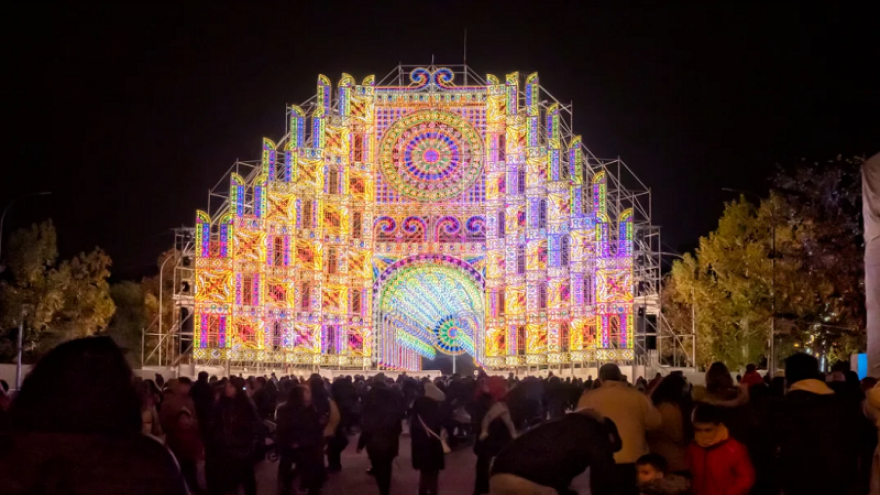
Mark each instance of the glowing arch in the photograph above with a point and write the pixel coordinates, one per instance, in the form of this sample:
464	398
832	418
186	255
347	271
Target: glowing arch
430	303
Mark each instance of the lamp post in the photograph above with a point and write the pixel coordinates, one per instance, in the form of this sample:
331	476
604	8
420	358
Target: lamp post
8	206
771	360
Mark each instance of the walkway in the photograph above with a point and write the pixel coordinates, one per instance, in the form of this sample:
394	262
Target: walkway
456	479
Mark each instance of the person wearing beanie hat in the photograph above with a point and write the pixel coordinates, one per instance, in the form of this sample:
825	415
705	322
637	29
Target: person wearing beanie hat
428	449
816	433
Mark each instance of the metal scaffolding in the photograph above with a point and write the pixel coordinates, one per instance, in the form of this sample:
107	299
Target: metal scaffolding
171	339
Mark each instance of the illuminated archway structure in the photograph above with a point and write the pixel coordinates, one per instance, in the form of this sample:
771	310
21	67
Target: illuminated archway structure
395	221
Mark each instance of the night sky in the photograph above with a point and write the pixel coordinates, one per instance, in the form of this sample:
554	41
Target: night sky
130	113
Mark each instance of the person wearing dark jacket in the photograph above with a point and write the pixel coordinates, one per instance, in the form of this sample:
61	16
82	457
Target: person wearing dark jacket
549	457
202	396
494	428
235	425
76	428
427	448
300	439
383	411
816	435
346	397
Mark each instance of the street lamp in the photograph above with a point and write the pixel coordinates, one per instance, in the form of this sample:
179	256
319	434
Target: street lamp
5	210
771	360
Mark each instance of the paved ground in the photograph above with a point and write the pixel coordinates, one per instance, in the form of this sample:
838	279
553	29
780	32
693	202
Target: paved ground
456	479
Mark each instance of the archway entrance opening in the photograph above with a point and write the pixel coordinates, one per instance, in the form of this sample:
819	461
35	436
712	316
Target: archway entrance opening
428	305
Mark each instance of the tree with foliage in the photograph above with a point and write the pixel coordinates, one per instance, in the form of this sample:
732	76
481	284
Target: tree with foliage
130	318
59	300
815	286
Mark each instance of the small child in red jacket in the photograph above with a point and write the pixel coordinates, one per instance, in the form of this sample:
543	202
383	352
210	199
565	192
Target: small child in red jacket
719	465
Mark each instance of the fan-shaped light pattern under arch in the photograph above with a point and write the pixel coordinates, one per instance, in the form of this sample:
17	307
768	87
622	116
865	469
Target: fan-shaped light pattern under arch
441	300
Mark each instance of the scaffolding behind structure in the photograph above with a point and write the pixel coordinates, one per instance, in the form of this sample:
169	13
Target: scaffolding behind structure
306	257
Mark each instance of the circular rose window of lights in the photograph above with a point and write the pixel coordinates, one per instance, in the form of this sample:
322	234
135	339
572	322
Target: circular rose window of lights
431	155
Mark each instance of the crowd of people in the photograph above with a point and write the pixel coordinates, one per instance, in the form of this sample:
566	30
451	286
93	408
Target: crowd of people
82	423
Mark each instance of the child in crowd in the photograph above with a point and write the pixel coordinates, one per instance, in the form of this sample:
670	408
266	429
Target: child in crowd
654	480
719	464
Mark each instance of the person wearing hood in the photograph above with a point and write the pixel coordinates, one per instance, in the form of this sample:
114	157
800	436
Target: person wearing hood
76	428
428	450
719	464
383	412
816	433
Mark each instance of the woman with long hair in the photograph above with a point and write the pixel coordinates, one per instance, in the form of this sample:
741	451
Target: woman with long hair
673	401
235	425
300	442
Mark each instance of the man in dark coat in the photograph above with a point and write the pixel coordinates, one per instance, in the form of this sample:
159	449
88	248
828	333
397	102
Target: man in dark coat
553	454
203	397
816	433
383	411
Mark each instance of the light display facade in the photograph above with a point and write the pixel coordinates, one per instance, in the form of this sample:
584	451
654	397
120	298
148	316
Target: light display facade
395	222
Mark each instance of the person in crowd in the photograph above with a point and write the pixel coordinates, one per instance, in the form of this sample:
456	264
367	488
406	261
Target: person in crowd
149	416
202	395
872	412
720	389
752	377
557	397
300	440
719	464
160	381
654	382
827	451
5	404
495	428
175	400
345	394
264	397
671	438
383	412
588	385
76	427
184	442
235	425
328	415
546	459
654	477
642	384
740	418
428	450
634	415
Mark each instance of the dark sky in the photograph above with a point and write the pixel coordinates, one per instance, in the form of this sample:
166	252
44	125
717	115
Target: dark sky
129	113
